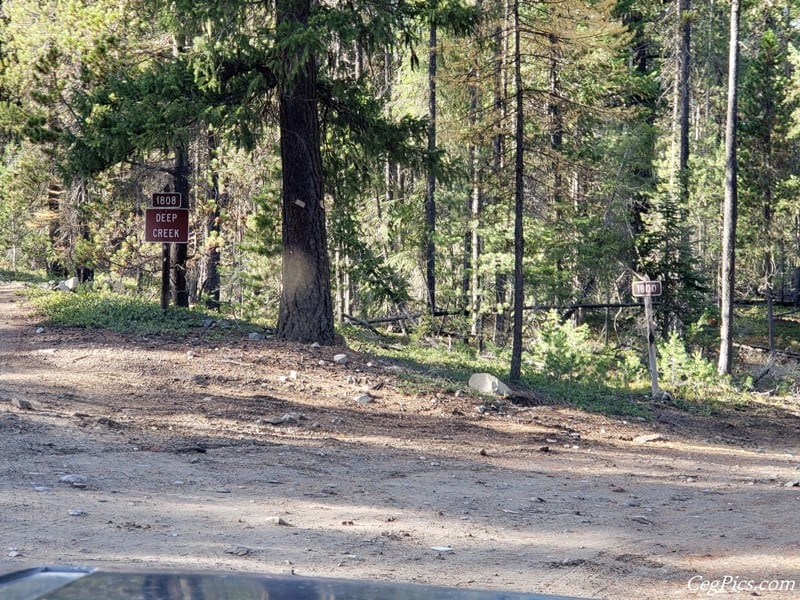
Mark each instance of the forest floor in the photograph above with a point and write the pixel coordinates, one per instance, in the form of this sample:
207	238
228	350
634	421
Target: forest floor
126	452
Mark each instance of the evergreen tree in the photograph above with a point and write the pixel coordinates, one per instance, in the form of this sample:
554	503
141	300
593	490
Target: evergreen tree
767	159
730	206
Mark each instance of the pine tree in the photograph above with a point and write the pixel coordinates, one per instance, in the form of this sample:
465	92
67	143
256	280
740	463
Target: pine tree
730	207
767	159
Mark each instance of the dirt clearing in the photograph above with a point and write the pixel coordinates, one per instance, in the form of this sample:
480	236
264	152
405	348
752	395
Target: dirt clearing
256	456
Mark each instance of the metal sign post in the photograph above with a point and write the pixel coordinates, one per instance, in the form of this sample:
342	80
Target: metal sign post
647	289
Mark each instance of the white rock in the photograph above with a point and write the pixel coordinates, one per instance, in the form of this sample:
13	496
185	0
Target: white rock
340	359
364	399
486	383
68	285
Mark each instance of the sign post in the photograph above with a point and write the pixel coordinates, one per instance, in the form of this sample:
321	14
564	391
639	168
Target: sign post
167	222
647	289
165	268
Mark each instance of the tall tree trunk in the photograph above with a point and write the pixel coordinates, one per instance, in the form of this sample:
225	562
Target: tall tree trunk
83	272
642	171
769	116
306	311
179	252
500	93
555	124
211	282
556	132
430	190
56	265
472	240
675	269
682	102
519	196
769	269
729	211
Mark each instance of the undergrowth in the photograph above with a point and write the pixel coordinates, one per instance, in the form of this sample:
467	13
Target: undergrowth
567	364
113	311
562	363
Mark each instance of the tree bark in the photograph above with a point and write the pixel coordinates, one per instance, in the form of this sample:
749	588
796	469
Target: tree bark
55	266
179	252
555	123
641	52
211	283
306	311
472	239
474	205
430	190
682	102
729	211
519	196
500	93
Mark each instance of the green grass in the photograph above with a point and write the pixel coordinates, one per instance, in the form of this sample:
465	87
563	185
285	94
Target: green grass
117	312
439	365
607	382
596	397
429	366
751	327
22	276
604	381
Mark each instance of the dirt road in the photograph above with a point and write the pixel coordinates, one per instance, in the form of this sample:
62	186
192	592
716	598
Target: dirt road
200	454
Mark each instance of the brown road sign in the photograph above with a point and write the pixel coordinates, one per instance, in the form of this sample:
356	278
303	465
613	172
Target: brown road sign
642	289
166	225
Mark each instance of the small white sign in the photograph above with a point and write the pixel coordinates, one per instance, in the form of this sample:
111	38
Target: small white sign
642	289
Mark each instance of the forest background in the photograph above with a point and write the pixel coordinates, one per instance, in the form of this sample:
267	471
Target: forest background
496	173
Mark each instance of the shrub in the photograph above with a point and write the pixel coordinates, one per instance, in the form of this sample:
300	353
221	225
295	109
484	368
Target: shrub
562	350
689	374
108	310
630	368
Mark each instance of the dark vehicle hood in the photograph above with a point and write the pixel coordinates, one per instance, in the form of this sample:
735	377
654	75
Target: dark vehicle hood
67	583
